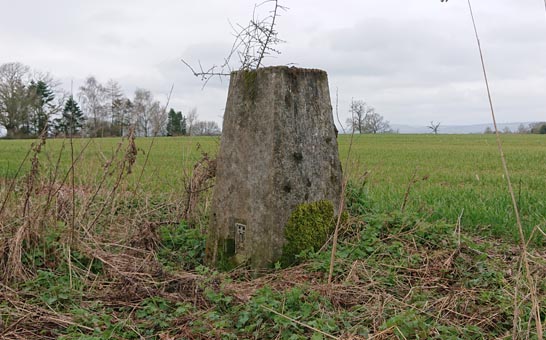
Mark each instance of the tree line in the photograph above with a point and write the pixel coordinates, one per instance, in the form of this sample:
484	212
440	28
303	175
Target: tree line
32	103
534	128
364	119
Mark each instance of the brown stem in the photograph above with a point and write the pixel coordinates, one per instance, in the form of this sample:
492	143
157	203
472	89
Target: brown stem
340	211
523	244
12	184
408	189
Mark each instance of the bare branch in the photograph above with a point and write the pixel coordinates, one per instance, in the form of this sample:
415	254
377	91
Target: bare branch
252	44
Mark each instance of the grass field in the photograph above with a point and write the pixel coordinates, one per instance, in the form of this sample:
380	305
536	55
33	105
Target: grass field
119	254
462	173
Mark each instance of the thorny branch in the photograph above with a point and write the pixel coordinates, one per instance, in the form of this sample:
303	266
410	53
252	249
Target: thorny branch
252	44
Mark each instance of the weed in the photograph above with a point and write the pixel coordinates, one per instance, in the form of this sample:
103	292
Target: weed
181	247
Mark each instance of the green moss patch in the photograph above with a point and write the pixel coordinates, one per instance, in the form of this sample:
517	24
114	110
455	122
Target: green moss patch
250	89
307	229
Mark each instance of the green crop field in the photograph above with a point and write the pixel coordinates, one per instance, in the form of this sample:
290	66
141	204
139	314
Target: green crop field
454	174
458	174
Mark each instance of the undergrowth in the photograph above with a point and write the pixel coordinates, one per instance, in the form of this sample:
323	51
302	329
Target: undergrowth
111	261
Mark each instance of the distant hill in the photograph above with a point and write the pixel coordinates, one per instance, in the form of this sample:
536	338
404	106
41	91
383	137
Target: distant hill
456	129
444	129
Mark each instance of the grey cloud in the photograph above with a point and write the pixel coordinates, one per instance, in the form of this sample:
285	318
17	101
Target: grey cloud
414	60
110	40
111	16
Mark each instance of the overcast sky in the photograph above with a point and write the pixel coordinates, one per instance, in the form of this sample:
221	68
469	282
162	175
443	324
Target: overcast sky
414	61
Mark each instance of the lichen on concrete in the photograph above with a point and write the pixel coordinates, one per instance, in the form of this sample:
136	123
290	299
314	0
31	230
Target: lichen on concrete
249	82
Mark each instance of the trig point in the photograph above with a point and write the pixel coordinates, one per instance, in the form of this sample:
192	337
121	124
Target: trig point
278	150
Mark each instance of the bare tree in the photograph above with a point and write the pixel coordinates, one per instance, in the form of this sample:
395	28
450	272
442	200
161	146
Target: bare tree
364	119
92	96
146	113
123	109
206	128
15	100
523	129
434	127
191	119
159	120
114	101
375	123
358	111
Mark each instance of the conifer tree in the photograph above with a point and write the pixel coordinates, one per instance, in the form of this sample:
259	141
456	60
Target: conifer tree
72	119
176	123
42	107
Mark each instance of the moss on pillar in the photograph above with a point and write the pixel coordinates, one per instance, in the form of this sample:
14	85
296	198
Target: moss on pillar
307	229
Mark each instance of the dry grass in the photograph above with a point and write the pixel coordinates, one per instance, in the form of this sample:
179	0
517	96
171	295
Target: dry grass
132	274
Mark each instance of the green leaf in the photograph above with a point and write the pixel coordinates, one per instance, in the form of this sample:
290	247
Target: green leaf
317	336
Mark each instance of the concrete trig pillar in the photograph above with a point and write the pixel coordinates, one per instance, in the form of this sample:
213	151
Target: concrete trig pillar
278	150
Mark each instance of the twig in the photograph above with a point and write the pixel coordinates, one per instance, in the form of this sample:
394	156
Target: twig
300	323
340	210
458	228
73	188
385	331
43	135
107	200
52	182
252	44
337	111
12	185
68	322
13	325
69	260
106	173
411	182
269	34
33	174
456	252
72	166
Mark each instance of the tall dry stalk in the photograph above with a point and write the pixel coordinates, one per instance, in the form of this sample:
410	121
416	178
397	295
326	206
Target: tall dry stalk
12	184
15	268
411	182
50	188
124	170
337	111
341	206
523	245
72	226
106	173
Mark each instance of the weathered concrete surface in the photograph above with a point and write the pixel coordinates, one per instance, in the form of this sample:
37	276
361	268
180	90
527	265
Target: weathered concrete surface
278	150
